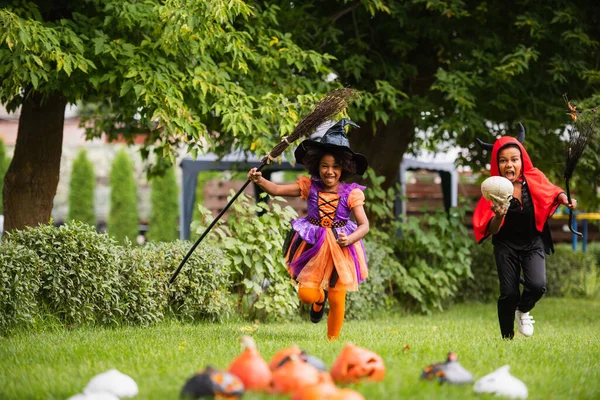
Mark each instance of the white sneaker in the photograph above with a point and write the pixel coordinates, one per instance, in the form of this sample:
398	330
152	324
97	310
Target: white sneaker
525	322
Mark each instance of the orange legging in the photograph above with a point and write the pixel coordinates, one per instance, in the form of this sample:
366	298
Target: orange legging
337	306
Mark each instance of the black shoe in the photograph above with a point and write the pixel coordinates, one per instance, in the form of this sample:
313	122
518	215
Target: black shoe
317	316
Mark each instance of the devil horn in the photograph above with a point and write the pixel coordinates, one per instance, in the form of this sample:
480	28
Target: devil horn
484	145
521	135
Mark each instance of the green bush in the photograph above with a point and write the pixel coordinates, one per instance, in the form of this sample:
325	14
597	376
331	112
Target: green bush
19	284
572	273
201	290
483	285
436	252
123	219
432	256
144	299
164	198
252	240
79	274
373	295
594	249
81	191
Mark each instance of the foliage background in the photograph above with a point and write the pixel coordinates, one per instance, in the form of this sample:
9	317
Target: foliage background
164	212
123	219
81	190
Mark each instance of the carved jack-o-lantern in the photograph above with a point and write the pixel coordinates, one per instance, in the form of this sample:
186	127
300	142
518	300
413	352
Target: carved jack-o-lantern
355	364
213	383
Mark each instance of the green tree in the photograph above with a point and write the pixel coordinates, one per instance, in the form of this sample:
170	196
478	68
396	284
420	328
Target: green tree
181	70
175	70
164	211
123	219
81	190
458	70
4	161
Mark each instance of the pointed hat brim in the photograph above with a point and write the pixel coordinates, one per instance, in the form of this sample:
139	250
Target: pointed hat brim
361	161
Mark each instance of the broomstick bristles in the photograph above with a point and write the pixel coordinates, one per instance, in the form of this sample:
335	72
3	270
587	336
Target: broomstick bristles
584	126
332	104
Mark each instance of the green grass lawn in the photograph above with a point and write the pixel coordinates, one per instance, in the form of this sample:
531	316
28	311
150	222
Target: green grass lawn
561	360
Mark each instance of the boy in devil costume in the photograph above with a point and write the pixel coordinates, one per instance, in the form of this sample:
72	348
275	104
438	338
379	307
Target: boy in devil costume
325	252
520	232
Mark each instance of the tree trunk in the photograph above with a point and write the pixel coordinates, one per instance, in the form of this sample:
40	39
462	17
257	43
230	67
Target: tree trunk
32	177
385	148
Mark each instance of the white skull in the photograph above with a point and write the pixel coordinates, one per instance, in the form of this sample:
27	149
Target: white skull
498	190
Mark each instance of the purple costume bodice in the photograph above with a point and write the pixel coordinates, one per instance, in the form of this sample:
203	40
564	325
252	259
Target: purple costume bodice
311	233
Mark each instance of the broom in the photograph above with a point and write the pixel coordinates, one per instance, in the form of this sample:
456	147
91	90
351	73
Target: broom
333	103
579	134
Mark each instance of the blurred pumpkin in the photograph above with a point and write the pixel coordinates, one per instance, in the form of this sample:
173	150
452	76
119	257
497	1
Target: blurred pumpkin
250	367
348	394
355	364
280	357
212	383
293	375
324	389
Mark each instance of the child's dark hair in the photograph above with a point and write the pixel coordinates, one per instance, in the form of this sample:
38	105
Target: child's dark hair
313	156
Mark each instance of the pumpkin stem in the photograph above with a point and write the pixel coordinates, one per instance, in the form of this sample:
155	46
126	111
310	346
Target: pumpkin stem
248	342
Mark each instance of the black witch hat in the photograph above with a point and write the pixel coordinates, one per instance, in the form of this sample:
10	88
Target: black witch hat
334	138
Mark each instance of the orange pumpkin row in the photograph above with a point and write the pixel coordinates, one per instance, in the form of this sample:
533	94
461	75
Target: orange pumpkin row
293	371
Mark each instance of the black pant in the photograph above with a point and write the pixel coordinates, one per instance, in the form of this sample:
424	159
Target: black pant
510	259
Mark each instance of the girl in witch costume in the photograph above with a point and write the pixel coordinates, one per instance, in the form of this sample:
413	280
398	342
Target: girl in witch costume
520	232
324	252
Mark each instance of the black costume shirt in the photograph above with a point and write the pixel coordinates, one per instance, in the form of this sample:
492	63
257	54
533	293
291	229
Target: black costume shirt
519	223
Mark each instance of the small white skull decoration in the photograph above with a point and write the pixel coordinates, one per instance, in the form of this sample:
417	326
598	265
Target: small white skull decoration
498	190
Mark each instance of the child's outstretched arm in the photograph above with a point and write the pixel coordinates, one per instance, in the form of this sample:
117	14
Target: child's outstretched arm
363	228
290	189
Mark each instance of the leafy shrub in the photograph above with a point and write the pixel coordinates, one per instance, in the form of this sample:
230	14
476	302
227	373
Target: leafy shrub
82	276
431	256
144	299
163	226
483	284
373	295
201	290
572	273
19	284
123	217
594	249
435	251
252	240
79	273
81	191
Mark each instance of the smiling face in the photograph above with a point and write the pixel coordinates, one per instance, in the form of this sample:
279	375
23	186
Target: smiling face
510	163
330	172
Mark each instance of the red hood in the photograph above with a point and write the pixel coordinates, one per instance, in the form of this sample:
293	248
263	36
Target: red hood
543	193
